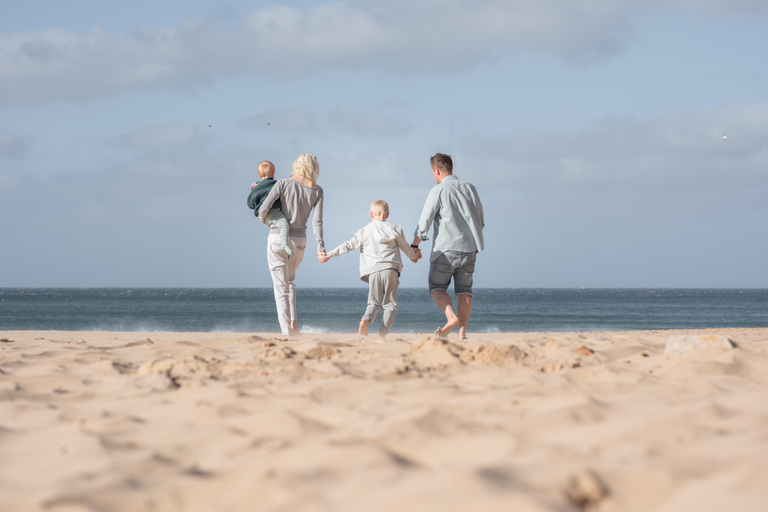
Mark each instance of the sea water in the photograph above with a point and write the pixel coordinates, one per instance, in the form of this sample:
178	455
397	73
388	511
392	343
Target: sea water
338	310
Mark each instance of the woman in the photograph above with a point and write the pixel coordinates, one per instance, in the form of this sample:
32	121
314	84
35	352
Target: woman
298	195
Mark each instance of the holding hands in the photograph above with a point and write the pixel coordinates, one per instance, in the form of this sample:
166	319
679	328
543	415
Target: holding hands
322	256
415	247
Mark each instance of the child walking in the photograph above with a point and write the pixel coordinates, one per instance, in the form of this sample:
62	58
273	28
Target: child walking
380	243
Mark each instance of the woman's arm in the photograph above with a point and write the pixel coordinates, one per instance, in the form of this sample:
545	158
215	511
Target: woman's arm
317	224
273	196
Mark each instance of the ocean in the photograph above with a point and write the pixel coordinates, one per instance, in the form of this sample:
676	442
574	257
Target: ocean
338	310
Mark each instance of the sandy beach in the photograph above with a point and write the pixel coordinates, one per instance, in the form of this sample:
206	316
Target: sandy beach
602	421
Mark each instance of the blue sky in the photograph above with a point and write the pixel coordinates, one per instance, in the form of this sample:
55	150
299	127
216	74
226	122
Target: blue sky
593	133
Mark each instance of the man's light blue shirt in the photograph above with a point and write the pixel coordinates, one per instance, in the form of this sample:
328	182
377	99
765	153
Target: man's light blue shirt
455	208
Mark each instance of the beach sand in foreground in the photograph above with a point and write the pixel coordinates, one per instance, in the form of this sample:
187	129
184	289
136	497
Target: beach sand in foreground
604	421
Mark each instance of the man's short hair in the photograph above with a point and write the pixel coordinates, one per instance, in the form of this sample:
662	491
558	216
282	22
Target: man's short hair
443	162
379	207
306	166
266	169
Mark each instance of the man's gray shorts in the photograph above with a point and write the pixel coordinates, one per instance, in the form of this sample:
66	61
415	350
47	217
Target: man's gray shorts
451	264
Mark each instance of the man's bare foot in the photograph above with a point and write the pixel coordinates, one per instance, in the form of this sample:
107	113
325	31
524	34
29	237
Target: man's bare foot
294	328
462	333
442	333
363	329
448	327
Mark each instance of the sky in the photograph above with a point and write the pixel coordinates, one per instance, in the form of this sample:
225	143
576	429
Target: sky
130	133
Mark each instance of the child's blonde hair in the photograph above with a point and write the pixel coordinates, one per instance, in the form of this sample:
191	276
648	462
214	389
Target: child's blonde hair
266	169
306	166
379	207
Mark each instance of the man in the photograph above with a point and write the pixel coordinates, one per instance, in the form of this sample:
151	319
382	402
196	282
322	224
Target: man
455	208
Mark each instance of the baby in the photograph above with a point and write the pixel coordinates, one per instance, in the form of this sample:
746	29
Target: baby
380	243
259	191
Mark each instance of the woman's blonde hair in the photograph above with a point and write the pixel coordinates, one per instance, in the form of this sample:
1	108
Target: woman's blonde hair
306	166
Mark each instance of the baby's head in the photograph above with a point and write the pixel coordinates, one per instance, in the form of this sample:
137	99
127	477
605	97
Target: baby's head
379	210
266	169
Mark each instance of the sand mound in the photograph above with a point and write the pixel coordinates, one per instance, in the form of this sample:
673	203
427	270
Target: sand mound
517	421
495	355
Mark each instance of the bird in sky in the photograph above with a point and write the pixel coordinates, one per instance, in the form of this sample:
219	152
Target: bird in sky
723	137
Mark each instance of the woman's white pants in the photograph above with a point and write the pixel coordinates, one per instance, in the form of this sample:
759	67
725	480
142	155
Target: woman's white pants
283	270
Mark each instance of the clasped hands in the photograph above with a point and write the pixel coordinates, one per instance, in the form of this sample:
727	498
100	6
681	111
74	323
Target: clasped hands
323	257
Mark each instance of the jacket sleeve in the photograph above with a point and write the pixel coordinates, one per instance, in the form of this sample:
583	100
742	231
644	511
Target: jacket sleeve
479	207
350	245
428	213
273	196
404	246
255	199
317	221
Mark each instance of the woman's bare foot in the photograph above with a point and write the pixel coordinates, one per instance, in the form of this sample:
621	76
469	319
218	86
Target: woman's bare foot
363	329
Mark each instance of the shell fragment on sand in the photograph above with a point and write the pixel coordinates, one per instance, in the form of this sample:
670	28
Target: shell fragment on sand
677	345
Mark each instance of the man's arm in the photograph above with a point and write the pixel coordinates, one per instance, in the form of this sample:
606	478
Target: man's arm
479	207
428	214
413	253
427	217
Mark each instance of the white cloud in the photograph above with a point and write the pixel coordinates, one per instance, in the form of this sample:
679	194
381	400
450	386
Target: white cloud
681	148
54	65
15	146
405	37
630	202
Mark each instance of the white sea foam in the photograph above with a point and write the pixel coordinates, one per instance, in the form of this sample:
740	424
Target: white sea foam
309	329
338	310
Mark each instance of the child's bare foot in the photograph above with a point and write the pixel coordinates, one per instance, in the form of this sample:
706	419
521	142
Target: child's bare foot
363	330
462	333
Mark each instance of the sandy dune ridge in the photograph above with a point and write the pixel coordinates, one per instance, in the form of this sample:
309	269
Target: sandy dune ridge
602	421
